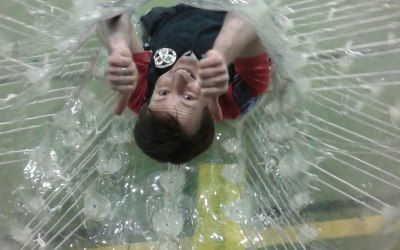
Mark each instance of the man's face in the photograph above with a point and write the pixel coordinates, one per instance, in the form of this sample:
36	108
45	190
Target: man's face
178	93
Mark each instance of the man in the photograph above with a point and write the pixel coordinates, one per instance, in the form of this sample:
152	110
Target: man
202	66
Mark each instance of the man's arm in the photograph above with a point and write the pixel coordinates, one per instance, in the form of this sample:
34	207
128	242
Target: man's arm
237	38
121	41
117	33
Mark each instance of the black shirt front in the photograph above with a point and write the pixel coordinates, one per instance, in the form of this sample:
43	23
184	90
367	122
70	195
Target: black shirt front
176	30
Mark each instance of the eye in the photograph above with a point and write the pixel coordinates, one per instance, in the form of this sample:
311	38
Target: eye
163	92
188	97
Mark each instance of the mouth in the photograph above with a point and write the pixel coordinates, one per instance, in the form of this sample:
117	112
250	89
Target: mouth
187	65
186	72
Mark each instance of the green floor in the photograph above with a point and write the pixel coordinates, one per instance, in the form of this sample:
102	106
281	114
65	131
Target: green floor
327	209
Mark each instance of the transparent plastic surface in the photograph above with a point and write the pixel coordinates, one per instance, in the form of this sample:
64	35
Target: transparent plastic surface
315	165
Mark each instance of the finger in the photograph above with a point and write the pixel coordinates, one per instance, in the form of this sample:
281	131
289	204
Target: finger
215	109
121	80
120	71
119	61
215	91
122	101
211	93
213	72
211	59
209	62
122	88
219	81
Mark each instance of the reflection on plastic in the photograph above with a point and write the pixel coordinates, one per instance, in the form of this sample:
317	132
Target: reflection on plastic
96	207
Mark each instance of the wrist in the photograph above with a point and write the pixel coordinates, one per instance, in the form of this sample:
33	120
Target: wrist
117	43
224	53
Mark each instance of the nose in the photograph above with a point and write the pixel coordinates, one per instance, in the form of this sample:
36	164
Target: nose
180	81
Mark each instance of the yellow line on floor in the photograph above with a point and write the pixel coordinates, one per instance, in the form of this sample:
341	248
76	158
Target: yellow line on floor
326	230
213	229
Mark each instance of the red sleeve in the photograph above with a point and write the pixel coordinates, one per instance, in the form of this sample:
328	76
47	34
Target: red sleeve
142	60
230	109
254	71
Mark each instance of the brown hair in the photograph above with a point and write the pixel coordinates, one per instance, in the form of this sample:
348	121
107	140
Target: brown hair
160	136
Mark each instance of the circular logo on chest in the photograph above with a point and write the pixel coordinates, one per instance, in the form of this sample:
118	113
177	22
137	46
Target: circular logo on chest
164	57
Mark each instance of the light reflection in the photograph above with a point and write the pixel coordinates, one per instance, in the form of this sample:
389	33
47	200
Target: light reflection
215	236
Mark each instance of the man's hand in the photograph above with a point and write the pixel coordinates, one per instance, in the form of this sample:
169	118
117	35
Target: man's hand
214	79
122	76
213	74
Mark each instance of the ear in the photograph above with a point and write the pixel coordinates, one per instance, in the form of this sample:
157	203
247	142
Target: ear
215	109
